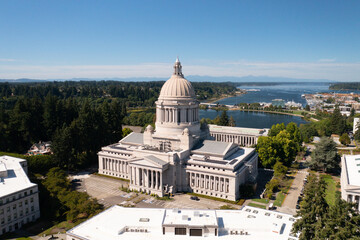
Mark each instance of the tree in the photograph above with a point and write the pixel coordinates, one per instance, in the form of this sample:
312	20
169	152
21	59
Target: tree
126	131
222	120
342	221
352	112
307	107
232	122
280	170
279	148
337	122
312	209
325	156
345	139
276	129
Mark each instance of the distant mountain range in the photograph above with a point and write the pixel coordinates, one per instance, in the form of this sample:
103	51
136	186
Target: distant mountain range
194	78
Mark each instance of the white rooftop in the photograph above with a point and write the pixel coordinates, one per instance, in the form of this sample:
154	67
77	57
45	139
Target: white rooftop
352	163
16	179
238	130
111	224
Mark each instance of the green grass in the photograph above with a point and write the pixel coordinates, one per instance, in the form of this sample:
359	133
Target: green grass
330	189
24	238
227	207
65	225
260	200
216	199
257	205
280	197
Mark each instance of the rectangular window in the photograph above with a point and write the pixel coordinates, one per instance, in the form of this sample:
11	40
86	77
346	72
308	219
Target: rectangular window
1	211
31	199
195	232
180	231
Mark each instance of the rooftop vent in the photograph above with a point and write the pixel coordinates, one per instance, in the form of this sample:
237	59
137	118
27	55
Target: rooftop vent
144	220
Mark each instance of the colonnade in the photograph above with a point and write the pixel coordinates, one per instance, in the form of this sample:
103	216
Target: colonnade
146	178
354	199
208	182
238	139
115	165
177	115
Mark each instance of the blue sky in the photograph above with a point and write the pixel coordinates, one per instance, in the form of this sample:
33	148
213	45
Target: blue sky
95	39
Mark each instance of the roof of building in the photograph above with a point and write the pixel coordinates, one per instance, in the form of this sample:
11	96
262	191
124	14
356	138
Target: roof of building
213	147
238	130
16	179
177	87
156	160
352	163
146	223
133	138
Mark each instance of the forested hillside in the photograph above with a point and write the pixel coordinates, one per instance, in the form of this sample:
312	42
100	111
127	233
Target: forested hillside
79	117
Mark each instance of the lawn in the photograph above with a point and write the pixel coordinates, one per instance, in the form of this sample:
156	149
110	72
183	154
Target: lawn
330	189
260	200
257	205
279	199
60	227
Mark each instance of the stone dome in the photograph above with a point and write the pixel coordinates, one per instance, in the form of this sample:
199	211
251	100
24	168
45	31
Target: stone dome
177	87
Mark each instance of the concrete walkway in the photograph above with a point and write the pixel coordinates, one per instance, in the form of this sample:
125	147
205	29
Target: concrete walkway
289	204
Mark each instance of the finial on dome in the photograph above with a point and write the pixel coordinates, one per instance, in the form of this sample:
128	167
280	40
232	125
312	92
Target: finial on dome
177	68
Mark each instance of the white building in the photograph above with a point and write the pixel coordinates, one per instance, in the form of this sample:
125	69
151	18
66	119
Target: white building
179	154
19	199
356	125
238	135
350	178
156	224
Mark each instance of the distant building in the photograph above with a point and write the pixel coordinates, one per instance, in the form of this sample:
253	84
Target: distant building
180	155
19	200
350	178
157	224
41	148
356	125
241	136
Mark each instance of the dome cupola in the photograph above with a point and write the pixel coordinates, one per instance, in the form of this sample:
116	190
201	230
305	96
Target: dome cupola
177	87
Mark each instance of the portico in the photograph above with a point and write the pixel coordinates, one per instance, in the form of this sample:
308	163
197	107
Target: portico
146	175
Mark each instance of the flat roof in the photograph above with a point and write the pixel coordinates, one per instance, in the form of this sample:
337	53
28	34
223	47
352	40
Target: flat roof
214	147
239	130
147	223
16	179
352	163
190	217
135	138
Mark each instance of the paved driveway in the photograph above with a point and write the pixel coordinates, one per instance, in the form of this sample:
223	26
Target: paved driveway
107	191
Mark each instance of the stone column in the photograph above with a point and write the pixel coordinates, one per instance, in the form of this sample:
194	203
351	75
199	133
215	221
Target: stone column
161	184
156	183
130	176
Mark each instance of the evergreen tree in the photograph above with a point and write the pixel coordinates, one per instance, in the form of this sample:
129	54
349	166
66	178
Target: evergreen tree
325	155
313	209
232	122
224	119
337	122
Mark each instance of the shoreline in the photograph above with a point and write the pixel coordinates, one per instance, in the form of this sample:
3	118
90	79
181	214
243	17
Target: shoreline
224	97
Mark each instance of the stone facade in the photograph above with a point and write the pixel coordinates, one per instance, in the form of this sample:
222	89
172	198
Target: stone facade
350	179
178	155
19	199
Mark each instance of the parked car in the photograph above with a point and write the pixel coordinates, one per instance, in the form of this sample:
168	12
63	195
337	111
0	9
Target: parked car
195	198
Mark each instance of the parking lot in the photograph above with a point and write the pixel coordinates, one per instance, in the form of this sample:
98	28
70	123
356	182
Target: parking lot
108	193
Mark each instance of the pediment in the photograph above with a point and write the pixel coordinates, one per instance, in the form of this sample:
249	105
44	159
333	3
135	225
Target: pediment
149	161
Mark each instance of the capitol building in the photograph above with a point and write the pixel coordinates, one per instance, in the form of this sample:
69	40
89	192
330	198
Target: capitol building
180	154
